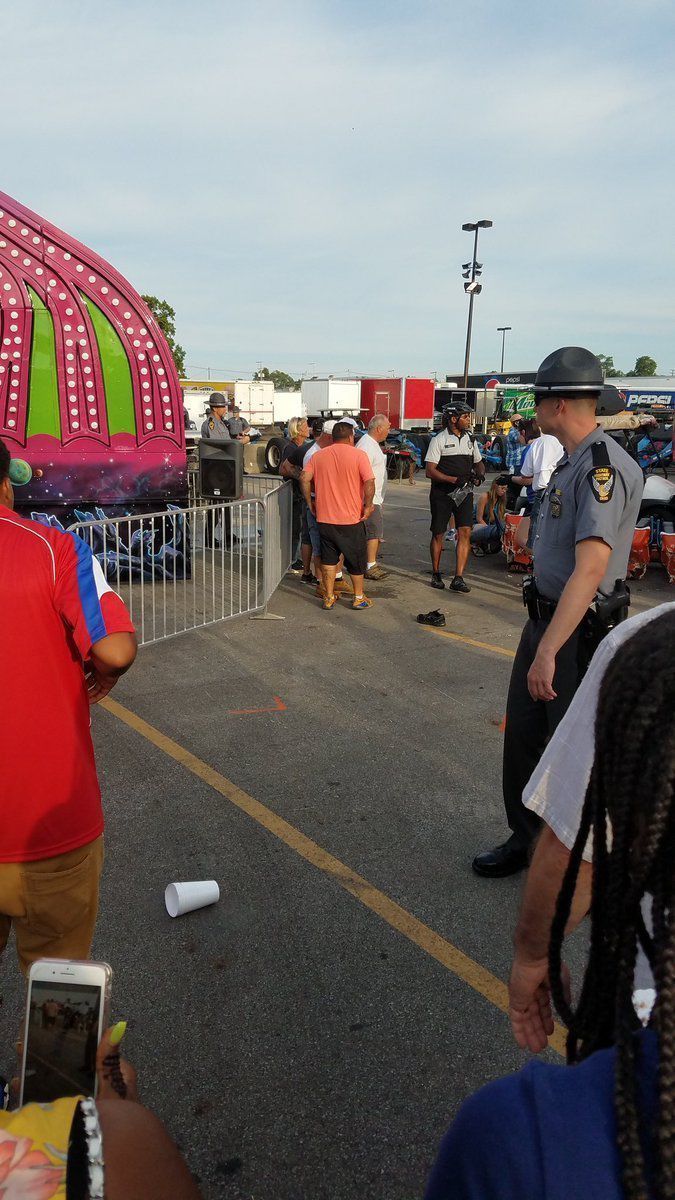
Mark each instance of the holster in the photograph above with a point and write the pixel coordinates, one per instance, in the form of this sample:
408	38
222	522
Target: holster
604	614
538	607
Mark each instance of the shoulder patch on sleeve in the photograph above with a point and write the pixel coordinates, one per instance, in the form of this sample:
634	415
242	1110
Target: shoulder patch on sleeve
602	480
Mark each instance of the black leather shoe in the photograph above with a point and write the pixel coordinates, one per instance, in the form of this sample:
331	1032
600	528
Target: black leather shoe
503	860
436	580
458	585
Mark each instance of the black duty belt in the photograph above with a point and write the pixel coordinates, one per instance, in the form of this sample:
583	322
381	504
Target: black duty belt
606	612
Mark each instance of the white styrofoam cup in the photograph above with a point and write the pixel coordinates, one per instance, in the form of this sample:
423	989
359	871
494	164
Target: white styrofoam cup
183	898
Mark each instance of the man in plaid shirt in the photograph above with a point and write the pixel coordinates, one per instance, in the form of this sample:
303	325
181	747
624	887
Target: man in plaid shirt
516	448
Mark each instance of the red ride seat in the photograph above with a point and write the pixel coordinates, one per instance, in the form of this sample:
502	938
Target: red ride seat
639	553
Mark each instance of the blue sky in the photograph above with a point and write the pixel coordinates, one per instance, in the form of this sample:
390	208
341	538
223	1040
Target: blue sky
293	177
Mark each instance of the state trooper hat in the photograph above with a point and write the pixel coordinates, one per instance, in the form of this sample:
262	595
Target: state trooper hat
217	400
569	371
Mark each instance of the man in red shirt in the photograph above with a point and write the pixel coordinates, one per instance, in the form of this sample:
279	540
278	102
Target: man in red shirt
65	639
344	488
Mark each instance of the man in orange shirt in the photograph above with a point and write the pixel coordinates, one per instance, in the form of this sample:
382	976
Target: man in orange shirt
344	488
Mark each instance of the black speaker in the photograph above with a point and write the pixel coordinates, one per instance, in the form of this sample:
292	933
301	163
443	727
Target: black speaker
221	470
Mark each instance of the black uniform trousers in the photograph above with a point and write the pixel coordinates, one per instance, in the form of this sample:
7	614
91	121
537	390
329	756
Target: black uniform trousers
530	723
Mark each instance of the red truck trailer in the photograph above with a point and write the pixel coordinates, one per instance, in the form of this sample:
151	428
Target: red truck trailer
409	403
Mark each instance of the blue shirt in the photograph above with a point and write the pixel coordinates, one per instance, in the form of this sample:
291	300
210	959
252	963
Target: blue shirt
515	452
545	1133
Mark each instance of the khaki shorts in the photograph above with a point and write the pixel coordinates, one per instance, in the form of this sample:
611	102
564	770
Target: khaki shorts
375	525
52	904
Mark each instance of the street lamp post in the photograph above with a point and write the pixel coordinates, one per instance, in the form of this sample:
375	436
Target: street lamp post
503	329
471	286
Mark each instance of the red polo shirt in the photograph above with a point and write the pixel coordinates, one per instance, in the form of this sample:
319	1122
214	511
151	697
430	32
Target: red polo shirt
54	604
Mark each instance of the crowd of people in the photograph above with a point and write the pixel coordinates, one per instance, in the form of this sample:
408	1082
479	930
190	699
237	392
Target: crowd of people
338	494
588	784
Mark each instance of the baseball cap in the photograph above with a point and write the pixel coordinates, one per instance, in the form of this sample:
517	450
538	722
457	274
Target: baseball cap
328	426
349	421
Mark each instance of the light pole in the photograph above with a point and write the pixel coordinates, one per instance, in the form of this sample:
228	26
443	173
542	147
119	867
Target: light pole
503	329
469	272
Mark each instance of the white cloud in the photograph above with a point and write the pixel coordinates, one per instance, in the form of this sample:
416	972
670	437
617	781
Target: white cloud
295	177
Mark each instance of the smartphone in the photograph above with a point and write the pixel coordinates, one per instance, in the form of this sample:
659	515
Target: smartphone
66	1012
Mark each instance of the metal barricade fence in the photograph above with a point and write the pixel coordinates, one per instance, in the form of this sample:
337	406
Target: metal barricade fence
186	568
278	550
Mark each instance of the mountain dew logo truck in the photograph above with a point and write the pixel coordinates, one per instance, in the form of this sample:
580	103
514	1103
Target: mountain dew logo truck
89	394
511	402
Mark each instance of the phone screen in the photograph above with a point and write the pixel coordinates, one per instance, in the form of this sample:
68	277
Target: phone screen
62	1039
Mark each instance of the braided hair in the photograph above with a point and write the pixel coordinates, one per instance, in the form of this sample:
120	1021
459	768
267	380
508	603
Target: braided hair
630	801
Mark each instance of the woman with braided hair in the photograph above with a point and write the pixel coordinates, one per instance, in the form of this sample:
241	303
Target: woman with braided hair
603	1127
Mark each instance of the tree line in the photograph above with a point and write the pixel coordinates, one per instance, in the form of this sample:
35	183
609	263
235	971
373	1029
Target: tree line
644	365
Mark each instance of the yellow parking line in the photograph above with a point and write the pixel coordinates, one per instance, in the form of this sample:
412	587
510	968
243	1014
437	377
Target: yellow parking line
437	947
458	637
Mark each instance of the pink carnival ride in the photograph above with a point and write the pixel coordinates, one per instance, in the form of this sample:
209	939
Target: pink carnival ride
89	394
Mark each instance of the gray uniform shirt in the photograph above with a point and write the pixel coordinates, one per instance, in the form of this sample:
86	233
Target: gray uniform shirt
237	425
216	430
583	501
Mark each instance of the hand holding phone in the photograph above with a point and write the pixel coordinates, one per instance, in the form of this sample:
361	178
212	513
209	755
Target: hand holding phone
66	1013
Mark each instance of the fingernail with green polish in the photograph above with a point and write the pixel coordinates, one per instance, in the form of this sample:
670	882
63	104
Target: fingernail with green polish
117	1033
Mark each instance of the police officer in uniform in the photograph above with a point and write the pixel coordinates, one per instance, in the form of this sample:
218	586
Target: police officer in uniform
215	427
453	463
238	427
577	592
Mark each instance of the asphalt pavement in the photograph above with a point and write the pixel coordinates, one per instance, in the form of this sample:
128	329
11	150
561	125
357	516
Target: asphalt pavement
306	1037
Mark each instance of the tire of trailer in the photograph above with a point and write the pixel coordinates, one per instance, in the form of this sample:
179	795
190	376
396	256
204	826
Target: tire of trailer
273	451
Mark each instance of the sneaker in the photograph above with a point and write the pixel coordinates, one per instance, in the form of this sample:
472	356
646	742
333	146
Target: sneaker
435	618
343	587
451	535
376	572
458	585
437	579
362	602
296	567
308	578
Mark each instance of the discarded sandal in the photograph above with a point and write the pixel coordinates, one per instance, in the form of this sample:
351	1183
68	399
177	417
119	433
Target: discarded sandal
436	618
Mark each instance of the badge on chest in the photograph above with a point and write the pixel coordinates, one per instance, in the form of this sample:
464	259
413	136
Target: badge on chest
555	503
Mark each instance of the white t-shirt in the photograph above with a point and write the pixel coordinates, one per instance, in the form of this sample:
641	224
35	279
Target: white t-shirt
557	788
378	461
312	450
540	459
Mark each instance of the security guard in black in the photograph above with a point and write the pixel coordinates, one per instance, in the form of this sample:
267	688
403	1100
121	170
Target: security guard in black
453	463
